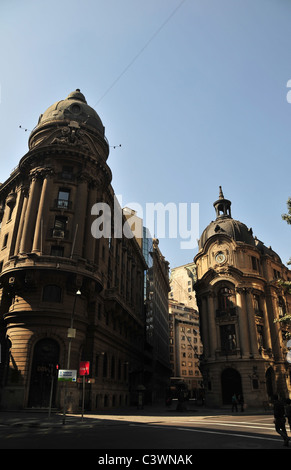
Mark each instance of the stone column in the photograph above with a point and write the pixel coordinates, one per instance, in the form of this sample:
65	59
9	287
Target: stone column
277	341
30	216
204	326
21	209
80	216
243	323
252	323
212	325
38	233
267	334
90	241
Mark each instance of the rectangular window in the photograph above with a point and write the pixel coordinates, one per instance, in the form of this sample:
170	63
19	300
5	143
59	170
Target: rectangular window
60	227
5	240
57	250
67	173
255	263
63	199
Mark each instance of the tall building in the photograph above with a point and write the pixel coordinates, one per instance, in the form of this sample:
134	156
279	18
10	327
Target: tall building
182	282
240	303
157	371
185	347
156	290
185	341
72	283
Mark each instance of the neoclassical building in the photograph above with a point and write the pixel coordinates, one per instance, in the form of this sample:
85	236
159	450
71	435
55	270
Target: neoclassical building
67	293
239	300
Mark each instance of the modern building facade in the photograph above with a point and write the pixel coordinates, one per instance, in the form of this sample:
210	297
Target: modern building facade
240	303
72	284
156	290
157	369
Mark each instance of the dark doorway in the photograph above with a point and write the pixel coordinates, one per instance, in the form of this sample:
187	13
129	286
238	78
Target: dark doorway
230	384
270	381
43	374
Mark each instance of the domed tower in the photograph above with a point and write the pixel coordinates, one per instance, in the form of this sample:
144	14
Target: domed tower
238	301
55	275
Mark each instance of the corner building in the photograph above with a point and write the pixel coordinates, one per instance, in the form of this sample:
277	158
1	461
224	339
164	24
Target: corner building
239	300
67	296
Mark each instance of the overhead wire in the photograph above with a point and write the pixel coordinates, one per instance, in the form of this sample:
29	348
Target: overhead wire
140	51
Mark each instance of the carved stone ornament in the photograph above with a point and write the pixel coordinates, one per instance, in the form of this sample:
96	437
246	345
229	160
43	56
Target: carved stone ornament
70	135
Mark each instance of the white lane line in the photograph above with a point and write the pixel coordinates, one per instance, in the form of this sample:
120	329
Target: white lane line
230	423
229	434
209	432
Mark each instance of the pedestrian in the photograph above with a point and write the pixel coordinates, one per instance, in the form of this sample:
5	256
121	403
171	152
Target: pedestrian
233	402
288	411
279	419
241	402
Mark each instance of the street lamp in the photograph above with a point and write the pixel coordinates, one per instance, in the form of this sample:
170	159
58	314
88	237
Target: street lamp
71	330
71	334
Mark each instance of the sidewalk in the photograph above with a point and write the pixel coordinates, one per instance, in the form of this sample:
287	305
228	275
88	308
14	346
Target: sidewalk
41	418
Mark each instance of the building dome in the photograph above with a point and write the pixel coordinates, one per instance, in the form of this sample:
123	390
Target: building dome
226	225
73	108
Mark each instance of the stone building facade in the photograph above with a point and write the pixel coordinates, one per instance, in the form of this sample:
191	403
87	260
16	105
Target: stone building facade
185	347
239	302
71	291
182	282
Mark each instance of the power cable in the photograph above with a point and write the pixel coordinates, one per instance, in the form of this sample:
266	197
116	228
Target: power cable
140	52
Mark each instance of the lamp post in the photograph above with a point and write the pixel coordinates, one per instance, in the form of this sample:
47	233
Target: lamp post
71	335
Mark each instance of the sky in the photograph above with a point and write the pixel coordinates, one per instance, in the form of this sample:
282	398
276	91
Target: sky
193	95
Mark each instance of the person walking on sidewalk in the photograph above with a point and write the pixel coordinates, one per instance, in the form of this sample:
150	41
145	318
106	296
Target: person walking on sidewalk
233	402
241	402
288	411
279	420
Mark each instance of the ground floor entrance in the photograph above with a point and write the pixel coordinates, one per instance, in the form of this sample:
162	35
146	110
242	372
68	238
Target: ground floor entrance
43	381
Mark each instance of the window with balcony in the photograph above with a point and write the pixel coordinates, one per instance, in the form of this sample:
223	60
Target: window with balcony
226	302
63	201
60	226
228	338
57	250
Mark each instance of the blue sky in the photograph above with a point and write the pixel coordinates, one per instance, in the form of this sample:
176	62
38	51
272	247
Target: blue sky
195	91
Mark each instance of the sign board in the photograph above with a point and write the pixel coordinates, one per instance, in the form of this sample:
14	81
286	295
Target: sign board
67	375
84	368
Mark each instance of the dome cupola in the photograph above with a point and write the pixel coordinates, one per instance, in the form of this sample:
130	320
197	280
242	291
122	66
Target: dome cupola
226	225
73	108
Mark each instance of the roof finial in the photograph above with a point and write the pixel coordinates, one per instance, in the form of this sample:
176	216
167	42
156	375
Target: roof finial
221	196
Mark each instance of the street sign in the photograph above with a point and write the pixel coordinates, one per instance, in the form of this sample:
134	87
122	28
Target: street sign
84	368
67	375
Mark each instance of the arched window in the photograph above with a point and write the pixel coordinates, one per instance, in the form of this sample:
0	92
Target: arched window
226	301
52	293
281	307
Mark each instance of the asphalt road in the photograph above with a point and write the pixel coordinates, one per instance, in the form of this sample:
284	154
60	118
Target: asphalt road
145	434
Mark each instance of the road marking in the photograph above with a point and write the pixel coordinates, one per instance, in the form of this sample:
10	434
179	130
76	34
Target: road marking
230	434
210	432
230	423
